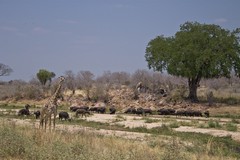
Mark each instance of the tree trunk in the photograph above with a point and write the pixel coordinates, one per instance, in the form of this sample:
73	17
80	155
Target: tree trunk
193	85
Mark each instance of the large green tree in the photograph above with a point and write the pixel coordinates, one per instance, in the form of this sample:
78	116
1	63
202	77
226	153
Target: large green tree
196	51
44	75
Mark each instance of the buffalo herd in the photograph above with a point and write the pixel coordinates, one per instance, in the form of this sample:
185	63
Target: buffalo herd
85	110
183	112
167	111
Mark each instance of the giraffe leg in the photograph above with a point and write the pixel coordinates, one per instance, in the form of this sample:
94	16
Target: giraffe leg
50	123
46	120
41	123
54	121
54	117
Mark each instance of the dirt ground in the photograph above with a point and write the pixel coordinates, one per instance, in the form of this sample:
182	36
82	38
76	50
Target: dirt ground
133	121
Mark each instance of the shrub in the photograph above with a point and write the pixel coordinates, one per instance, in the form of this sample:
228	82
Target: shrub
174	151
174	124
33	92
214	124
150	120
231	127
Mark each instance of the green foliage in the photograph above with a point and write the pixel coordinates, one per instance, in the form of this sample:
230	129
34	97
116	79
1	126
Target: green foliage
196	51
174	124
231	127
150	120
45	75
214	124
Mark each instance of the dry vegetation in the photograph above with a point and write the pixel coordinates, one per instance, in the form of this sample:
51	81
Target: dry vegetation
25	143
119	89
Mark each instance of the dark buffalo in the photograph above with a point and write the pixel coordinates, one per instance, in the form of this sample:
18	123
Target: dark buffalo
74	108
166	111
93	109
83	112
101	110
64	115
193	113
98	109
206	113
24	111
140	111
130	110
197	113
37	114
84	107
180	113
147	110
189	113
112	110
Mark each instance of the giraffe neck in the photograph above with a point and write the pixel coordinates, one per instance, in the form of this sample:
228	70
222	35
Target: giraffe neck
53	99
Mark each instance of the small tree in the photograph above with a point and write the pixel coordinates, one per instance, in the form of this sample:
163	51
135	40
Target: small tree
5	70
44	76
196	51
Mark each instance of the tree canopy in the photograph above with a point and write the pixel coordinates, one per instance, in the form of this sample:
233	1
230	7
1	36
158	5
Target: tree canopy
44	76
5	70
196	51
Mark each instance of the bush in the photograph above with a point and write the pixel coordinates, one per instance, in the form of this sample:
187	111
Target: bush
32	92
174	124
231	127
214	124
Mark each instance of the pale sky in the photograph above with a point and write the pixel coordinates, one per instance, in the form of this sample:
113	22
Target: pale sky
96	35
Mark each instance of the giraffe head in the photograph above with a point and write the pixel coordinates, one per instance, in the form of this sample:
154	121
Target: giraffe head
61	78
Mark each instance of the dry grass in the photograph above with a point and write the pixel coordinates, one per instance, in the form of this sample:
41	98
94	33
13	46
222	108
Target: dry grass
30	143
225	110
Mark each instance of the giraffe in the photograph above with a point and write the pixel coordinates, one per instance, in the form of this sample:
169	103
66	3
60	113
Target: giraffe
50	108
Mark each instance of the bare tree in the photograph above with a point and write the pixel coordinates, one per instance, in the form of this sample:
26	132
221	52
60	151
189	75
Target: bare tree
115	79
157	82
5	70
121	77
85	81
70	81
105	78
142	76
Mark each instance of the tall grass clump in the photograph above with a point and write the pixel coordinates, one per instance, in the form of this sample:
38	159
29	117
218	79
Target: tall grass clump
231	126
12	143
174	151
214	124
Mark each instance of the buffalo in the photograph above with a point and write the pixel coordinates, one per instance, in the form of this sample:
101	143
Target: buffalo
25	111
74	108
64	115
83	112
37	114
112	110
131	110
